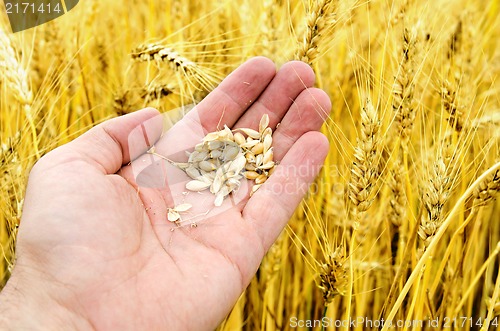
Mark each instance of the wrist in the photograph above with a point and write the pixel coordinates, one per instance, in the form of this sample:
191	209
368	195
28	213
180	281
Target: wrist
31	304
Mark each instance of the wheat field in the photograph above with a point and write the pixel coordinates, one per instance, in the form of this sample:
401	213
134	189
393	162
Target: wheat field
402	223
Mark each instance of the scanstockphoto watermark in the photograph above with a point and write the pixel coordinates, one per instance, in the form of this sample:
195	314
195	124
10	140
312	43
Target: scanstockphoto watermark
26	14
364	322
458	322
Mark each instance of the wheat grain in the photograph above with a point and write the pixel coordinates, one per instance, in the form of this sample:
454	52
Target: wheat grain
174	214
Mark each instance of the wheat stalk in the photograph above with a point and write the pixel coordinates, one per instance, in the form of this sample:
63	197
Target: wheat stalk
160	53
333	276
271	264
460	48
397	201
404	87
156	91
487	190
8	148
435	196
197	77
364	167
17	80
269	27
400	12
321	16
490	121
416	272
122	102
13	71
455	91
451	105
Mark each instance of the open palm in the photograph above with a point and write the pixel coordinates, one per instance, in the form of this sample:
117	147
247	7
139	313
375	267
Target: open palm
95	244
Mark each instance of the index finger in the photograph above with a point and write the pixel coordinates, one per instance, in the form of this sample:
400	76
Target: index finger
234	95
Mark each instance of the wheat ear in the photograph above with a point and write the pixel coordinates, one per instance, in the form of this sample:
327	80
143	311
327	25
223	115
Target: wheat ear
364	167
404	87
17	80
321	16
334	276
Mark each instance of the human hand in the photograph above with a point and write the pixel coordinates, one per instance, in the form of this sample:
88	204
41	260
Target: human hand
95	249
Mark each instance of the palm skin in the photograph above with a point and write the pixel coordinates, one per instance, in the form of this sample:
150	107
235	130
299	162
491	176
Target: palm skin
95	248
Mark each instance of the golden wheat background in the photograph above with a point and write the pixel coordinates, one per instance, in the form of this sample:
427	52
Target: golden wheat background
396	226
